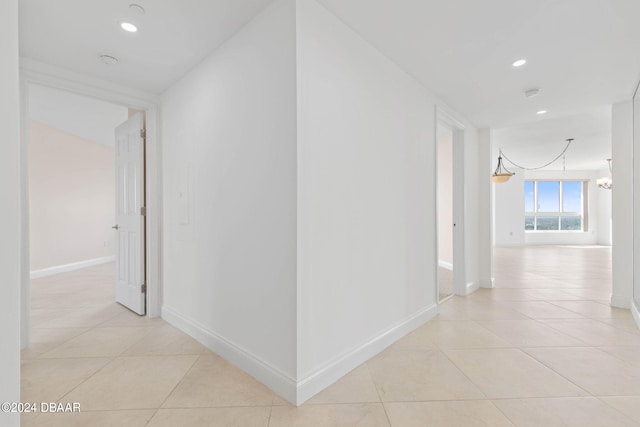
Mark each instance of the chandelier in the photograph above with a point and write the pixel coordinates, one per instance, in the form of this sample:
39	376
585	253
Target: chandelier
606	182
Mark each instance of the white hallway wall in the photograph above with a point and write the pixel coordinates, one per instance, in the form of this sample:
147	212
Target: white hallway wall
622	204
10	244
366	199
299	198
229	194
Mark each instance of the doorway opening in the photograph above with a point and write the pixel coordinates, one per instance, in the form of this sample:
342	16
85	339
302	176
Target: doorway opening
85	171
445	211
32	74
450	137
552	222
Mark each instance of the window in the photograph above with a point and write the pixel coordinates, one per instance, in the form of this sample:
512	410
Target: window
555	205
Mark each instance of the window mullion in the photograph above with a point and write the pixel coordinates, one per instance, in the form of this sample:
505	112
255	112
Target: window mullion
535	205
560	208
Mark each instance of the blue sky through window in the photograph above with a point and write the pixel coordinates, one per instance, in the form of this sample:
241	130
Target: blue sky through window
571	196
545	210
548	196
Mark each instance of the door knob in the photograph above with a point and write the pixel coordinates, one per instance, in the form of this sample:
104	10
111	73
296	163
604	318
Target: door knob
115	227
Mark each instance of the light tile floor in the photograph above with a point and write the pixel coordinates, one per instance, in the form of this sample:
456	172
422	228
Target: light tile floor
541	349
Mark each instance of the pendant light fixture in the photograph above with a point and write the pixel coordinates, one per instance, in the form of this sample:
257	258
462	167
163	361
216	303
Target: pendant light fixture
502	174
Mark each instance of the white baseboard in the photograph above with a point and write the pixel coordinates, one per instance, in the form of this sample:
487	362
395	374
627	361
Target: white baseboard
342	365
297	392
50	271
273	378
488	284
621	301
446	265
636	313
472	287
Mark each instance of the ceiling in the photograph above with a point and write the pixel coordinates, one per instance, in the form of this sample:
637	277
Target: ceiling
582	54
536	143
173	36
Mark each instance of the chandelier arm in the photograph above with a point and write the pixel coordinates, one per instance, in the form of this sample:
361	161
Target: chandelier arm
539	167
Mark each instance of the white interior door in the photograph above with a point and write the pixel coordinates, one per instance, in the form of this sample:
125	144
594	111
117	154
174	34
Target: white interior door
130	219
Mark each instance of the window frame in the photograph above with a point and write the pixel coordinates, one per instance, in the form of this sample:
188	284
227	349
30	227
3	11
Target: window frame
583	213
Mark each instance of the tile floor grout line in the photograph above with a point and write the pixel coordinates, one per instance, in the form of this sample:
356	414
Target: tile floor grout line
270	413
111	360
375	385
464	374
179	382
512	421
558	373
491	310
604	402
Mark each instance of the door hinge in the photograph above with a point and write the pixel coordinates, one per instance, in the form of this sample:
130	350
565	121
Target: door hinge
143	288
143	133
143	211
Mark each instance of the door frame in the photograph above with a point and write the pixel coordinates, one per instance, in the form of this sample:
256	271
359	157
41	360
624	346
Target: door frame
34	72
459	267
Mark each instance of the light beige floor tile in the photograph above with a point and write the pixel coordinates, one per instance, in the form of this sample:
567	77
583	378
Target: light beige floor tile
626	323
49	380
629	354
355	387
529	333
453	334
502	373
628	405
419	340
212	417
544	310
99	342
539	283
213	382
82	317
562	412
129	318
594	370
457	309
361	415
508	294
132	383
593	332
446	414
165	340
43	340
591	309
405	375
135	418
531	283
551	295
279	401
43	317
599	293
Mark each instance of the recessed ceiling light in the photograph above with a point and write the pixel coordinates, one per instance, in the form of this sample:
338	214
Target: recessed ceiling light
519	63
541	112
108	59
530	93
128	26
